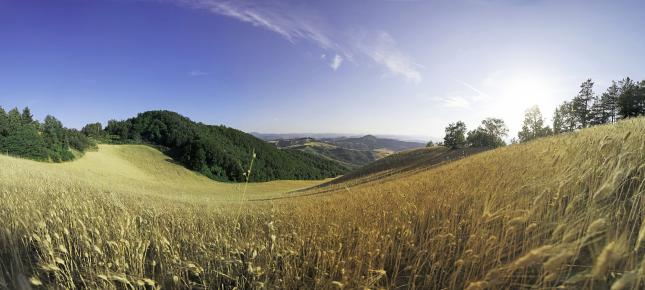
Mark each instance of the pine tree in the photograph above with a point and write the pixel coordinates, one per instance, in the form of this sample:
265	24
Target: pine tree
4	123
605	107
610	102
582	104
631	102
27	118
565	118
14	120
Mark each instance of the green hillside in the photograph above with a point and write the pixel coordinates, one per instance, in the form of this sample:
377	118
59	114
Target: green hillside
219	152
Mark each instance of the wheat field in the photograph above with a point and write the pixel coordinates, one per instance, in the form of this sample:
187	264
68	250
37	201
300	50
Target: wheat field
561	212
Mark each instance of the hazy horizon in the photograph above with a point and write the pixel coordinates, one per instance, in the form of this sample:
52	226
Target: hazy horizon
349	67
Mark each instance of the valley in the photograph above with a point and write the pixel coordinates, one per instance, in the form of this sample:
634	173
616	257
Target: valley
352	152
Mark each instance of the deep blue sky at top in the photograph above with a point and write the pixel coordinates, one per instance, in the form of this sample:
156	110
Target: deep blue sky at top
359	66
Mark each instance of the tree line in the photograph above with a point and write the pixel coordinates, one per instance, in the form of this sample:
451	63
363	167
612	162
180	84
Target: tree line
622	99
23	136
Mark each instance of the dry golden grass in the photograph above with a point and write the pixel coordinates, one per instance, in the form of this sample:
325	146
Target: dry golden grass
564	211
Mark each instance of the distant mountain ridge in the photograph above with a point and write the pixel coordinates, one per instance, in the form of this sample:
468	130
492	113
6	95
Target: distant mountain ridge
350	151
286	136
371	142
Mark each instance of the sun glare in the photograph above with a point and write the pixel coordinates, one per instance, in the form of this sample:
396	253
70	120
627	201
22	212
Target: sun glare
518	92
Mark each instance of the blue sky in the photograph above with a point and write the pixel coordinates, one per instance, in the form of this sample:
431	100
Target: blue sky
401	67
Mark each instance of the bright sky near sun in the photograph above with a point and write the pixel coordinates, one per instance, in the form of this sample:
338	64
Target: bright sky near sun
401	67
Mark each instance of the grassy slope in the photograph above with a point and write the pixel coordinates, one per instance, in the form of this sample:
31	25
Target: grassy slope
560	211
137	169
404	163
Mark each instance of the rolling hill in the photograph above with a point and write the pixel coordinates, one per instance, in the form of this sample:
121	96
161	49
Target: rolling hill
134	170
219	152
562	212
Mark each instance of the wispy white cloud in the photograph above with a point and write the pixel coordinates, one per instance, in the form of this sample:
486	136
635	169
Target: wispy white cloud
382	49
480	95
197	73
453	102
462	99
336	62
292	24
298	24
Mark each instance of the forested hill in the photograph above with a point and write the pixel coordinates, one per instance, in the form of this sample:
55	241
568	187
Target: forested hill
219	152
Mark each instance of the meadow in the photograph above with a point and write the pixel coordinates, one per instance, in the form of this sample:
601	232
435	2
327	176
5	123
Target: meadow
560	212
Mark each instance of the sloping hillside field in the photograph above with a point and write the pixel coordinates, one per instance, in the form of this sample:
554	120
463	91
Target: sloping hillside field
565	211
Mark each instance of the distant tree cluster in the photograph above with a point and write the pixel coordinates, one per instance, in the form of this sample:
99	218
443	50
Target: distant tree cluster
219	152
623	99
21	135
489	134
